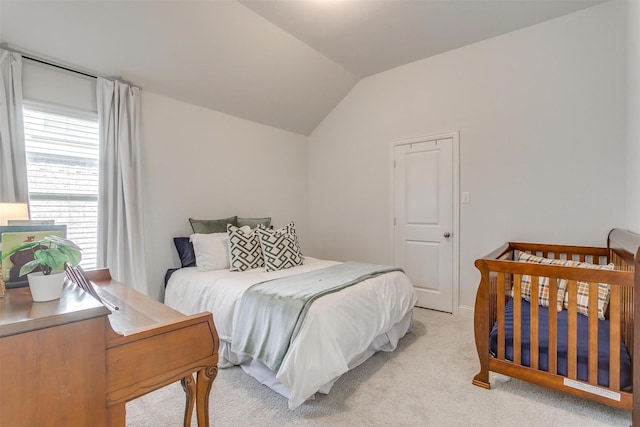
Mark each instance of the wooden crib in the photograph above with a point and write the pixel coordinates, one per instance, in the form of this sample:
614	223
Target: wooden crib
503	276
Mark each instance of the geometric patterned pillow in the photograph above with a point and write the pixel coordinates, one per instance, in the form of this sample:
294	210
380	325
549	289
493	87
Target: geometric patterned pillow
280	248
604	291
543	282
244	249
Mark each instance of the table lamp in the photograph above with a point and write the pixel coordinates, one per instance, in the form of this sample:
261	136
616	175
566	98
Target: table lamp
13	211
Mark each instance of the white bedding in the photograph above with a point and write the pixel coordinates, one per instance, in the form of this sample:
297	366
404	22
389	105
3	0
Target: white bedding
341	329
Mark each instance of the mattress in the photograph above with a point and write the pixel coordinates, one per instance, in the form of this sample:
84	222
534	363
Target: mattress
543	344
340	331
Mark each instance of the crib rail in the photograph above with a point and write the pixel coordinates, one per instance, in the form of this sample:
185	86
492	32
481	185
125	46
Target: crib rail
592	255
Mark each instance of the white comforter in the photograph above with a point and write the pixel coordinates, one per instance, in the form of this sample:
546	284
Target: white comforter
341	329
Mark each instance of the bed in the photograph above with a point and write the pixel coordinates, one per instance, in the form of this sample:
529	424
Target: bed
575	331
340	331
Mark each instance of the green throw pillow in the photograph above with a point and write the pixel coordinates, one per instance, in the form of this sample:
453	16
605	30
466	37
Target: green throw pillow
208	226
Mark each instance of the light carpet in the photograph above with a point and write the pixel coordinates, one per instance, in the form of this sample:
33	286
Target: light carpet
425	382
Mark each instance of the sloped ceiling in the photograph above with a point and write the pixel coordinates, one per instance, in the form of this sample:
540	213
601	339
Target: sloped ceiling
284	63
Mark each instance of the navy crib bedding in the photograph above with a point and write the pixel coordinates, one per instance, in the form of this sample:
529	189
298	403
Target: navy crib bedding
543	339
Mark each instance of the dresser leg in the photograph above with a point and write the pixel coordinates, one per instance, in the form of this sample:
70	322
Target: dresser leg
116	415
189	387
204	380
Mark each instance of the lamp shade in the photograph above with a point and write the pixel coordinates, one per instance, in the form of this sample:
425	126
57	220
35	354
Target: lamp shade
13	211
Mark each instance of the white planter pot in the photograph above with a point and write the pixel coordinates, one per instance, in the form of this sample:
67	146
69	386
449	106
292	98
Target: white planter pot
46	288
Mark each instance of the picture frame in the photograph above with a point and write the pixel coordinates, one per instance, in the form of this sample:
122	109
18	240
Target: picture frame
30	222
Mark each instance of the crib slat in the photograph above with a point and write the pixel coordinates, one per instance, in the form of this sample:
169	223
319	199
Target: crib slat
614	338
501	315
553	326
517	317
582	258
572	339
627	318
593	333
533	322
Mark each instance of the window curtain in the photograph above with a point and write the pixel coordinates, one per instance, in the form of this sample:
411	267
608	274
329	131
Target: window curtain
121	243
13	159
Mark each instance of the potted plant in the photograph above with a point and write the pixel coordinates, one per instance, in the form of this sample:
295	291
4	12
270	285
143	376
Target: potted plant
49	256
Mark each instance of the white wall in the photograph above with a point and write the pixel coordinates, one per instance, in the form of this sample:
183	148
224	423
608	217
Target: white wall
633	113
205	164
541	115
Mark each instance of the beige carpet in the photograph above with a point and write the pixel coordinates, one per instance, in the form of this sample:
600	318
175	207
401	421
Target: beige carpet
425	382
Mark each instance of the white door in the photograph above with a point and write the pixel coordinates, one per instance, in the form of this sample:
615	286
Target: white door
423	210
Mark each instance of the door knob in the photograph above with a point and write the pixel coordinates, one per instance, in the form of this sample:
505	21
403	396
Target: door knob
447	234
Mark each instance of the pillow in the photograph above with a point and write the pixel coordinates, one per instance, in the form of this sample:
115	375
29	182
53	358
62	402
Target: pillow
280	247
244	249
543	282
604	291
211	250
254	222
207	226
185	251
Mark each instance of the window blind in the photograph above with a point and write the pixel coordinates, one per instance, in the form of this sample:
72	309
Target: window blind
62	169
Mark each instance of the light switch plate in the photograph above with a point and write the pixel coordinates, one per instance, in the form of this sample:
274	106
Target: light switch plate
465	197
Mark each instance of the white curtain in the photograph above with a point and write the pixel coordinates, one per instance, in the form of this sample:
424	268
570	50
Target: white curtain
13	160
121	243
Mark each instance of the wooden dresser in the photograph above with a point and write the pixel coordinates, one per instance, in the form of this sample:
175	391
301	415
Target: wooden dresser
73	362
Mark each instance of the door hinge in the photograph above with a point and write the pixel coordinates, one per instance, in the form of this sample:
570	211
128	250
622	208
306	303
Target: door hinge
394	164
394	221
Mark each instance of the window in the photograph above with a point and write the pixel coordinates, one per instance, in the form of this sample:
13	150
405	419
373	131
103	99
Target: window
62	171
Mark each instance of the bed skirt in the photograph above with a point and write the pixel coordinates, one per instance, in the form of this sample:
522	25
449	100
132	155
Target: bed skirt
387	341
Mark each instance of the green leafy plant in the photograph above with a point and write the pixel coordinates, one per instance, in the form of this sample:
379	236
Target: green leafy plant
50	254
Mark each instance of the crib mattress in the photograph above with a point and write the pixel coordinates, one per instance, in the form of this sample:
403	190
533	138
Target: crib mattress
543	346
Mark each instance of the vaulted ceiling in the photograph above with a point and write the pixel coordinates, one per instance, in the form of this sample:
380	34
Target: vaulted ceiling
284	63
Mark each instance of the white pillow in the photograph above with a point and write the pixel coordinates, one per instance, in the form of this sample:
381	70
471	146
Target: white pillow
212	250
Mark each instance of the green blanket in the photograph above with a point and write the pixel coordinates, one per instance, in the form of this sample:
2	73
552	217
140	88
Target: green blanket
269	314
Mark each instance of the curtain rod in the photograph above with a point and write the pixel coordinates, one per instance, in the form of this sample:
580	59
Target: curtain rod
41	60
82	73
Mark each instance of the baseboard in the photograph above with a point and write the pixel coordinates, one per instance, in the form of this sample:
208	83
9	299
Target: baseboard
465	311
